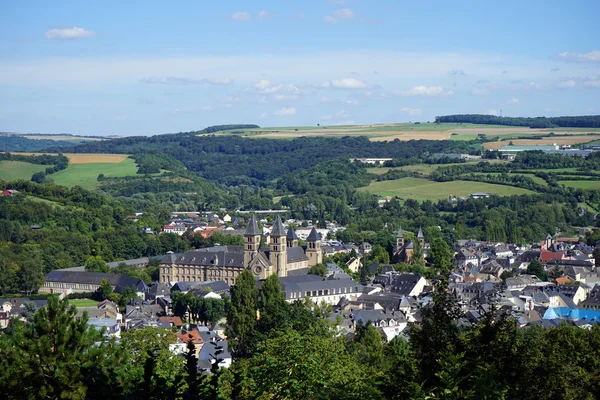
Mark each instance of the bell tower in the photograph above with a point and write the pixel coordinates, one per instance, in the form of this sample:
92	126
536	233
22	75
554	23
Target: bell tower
399	239
421	237
278	254
291	238
251	241
313	248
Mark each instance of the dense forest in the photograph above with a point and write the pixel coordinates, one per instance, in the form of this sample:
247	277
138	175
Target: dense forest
233	160
293	352
22	143
584	121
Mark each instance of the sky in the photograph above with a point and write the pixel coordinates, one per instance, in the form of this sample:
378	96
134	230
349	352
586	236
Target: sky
150	67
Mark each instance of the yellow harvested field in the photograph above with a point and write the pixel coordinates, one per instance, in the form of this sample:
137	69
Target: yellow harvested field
95	158
546	141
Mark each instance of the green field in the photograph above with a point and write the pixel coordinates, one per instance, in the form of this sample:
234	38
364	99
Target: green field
13	170
423	189
83	302
581	184
86	175
536	179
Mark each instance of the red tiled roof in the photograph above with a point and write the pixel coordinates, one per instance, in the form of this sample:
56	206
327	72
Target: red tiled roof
563	280
547	256
565	240
193	335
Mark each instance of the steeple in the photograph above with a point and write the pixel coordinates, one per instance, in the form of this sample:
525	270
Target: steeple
421	237
291	238
278	229
278	254
399	239
252	228
313	248
251	241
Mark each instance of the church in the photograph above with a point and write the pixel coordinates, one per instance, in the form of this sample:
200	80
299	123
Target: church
405	249
227	262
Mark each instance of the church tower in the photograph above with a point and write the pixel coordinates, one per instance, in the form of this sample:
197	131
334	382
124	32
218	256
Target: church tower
313	248
421	237
399	239
251	241
278	254
291	238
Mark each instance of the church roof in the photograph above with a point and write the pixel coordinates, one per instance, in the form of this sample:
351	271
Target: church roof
313	236
252	228
291	234
278	229
169	258
420	234
400	233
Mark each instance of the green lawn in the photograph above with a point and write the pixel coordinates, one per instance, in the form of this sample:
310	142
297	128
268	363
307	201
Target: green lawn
423	189
463	137
13	170
83	302
86	175
581	184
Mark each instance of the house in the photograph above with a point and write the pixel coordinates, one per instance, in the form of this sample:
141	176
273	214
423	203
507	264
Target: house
158	290
408	284
63	281
172	321
354	264
213	350
317	289
391	323
111	326
521	281
547	256
192	335
465	257
365	248
479	195
9	192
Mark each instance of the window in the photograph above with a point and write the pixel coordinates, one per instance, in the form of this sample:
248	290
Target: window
320	293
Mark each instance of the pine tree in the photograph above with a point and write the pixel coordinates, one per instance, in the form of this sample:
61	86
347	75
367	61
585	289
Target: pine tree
274	310
241	319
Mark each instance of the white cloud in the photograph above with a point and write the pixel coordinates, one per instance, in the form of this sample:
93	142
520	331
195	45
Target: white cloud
262	84
284	97
342	114
580	81
330	20
513	101
177	80
241	16
480	91
264	115
491	112
324	100
345	83
411	111
208	108
592	57
263	15
344	13
122	118
68	33
425	91
286	111
352	102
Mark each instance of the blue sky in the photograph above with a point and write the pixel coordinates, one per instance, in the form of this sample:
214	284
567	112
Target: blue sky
149	67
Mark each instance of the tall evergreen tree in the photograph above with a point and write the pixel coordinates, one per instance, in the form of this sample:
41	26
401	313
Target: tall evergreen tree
241	319
274	310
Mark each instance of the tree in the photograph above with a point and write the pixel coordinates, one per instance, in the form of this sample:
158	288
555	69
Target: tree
536	268
52	354
241	318
274	310
318	269
105	289
440	256
380	255
96	264
418	253
368	345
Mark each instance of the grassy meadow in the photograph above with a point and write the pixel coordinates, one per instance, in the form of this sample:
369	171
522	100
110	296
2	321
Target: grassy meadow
83	302
13	170
86	175
581	184
423	189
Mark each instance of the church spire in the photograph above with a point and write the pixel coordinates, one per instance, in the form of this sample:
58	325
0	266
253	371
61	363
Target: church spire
252	228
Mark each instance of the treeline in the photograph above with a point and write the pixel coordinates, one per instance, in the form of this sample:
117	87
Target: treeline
20	143
217	128
47	227
153	163
294	351
41	159
584	121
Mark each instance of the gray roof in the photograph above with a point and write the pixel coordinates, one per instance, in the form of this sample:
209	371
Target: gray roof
252	228
225	256
120	281
169	258
400	233
313	236
295	254
420	234
278	229
291	234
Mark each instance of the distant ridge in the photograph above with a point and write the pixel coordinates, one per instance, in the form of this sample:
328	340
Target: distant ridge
584	121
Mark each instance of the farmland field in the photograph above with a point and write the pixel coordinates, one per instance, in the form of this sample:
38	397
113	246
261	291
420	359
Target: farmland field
13	170
427	169
536	179
574	139
403	131
86	174
423	189
581	184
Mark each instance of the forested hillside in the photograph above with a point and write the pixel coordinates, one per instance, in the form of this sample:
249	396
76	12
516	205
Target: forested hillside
21	143
584	121
236	160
